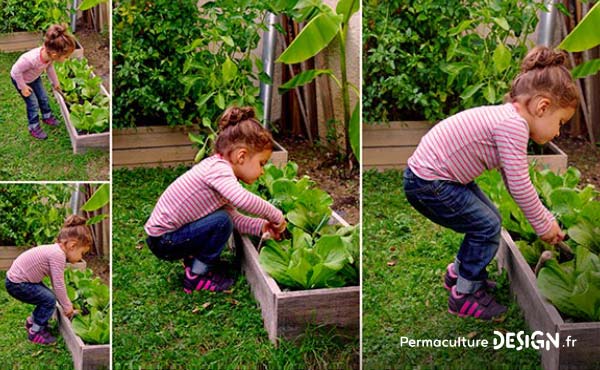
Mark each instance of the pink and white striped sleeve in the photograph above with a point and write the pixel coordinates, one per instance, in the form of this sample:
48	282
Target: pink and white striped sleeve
57	276
52	75
226	184
511	139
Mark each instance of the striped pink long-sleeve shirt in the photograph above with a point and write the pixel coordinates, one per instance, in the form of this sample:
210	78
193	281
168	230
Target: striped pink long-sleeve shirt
46	260
30	66
462	146
205	188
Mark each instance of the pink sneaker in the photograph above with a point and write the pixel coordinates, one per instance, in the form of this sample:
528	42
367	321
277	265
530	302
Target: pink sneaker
50	121
41	337
211	281
38	133
480	305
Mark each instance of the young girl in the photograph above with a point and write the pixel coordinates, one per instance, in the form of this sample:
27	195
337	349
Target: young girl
24	278
439	178
195	216
26	76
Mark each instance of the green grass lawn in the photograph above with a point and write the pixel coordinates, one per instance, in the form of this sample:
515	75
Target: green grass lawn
404	261
25	158
16	352
156	325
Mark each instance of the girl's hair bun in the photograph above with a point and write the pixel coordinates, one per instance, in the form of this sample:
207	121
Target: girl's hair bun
74	220
234	115
59	40
542	57
55	31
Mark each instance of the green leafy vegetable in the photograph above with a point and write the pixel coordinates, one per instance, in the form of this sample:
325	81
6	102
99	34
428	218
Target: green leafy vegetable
318	255
92	298
574	286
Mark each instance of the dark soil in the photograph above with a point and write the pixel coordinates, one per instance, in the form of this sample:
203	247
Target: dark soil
323	167
584	156
96	51
99	266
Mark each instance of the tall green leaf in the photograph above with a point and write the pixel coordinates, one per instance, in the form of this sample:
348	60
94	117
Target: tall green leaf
99	199
589	68
354	132
303	78
585	35
347	8
314	37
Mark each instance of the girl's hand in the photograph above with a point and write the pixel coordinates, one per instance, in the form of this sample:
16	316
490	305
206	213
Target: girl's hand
57	88
269	227
26	91
280	227
554	235
70	313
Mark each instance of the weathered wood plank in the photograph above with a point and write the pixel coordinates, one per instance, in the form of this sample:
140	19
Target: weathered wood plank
8	255
20	41
163	146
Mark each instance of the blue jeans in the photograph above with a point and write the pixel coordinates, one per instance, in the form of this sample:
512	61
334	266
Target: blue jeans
38	95
464	209
204	239
37	294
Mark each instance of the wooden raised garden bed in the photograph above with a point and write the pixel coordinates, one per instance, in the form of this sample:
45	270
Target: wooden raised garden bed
82	142
20	41
287	313
7	256
388	146
25	41
543	316
162	146
557	160
85	356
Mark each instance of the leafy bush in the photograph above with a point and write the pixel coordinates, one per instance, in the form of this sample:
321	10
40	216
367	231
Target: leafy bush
36	15
429	59
176	64
82	92
32	215
318	254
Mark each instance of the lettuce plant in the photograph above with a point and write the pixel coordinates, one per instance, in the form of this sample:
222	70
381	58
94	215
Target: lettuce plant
318	254
91	297
573	286
82	92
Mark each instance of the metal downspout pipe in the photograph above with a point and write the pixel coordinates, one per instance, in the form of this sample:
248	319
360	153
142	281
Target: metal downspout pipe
547	24
269	45
74	16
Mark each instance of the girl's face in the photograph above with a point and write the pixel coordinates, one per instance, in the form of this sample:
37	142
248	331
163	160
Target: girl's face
546	123
75	250
249	167
55	57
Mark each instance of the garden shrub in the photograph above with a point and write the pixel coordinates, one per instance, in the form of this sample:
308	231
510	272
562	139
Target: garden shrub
429	59
32	215
176	64
36	15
